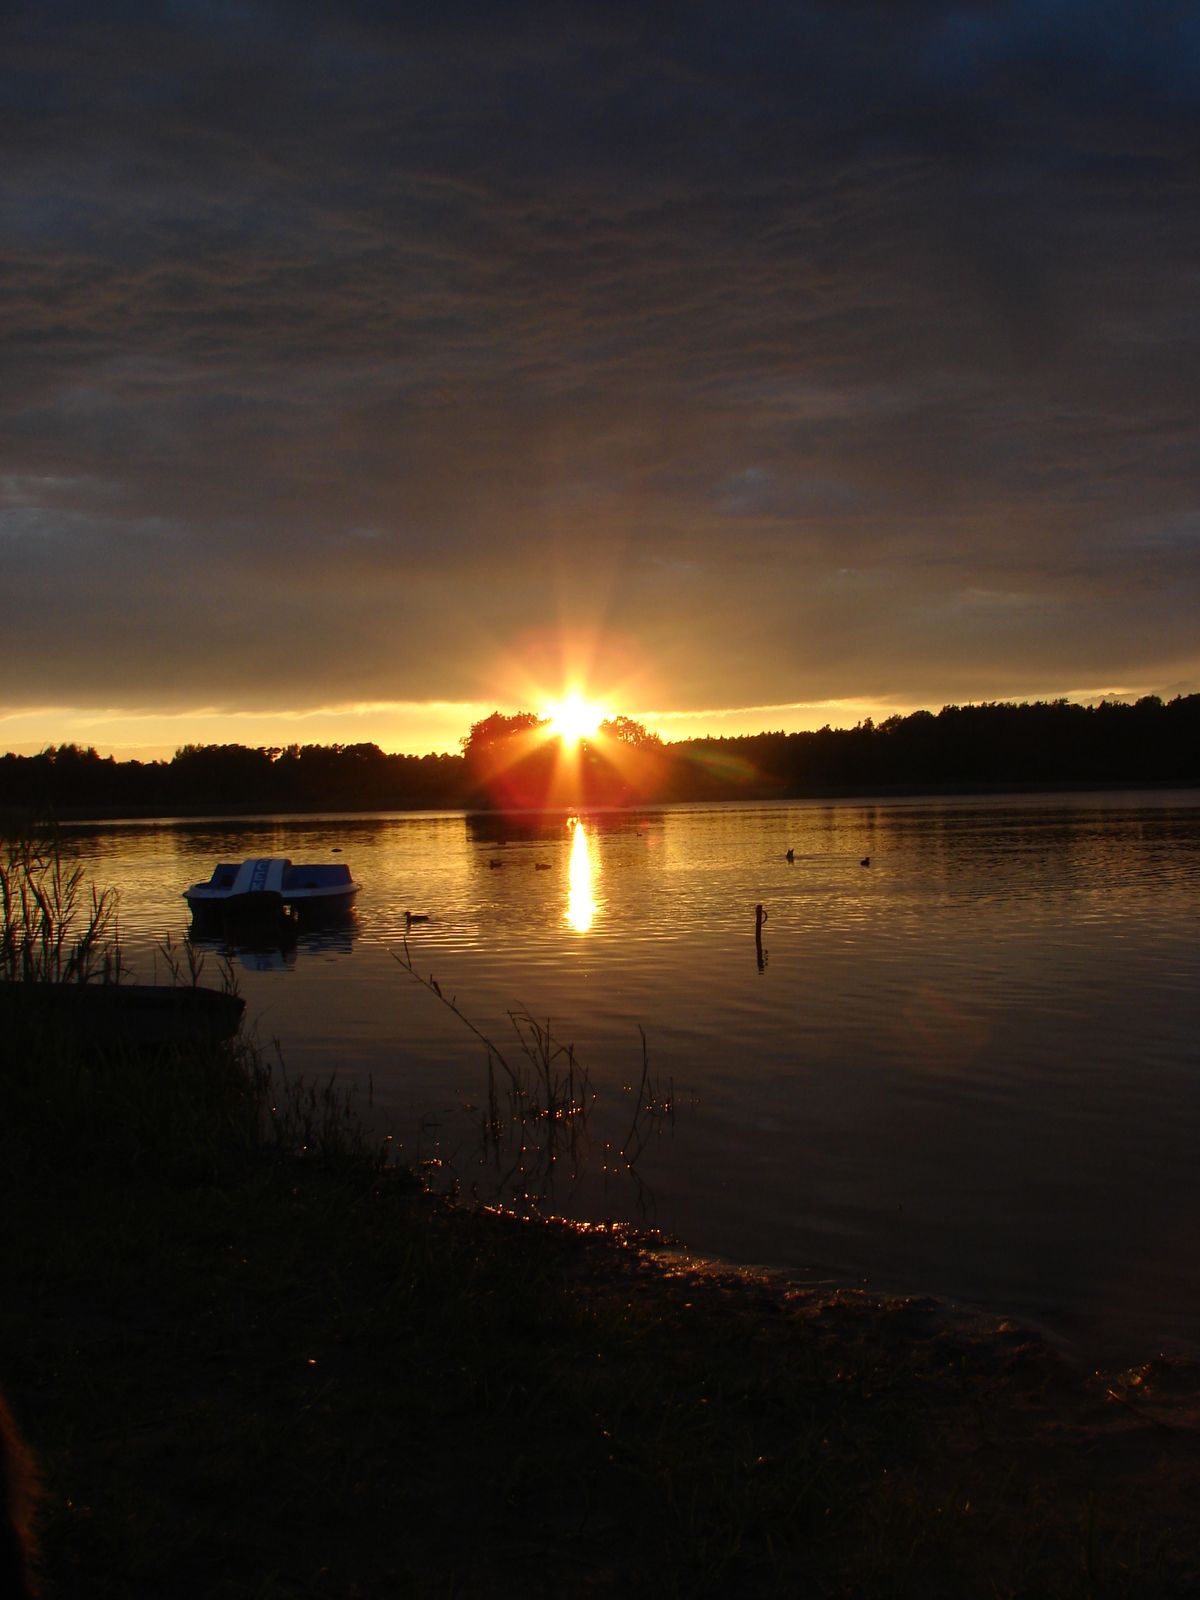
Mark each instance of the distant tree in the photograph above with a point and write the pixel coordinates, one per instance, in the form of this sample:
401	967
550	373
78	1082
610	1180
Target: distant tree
509	761
623	763
495	729
626	731
72	755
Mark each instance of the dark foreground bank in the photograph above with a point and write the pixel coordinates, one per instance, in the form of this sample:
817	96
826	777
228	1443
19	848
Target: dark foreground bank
253	1360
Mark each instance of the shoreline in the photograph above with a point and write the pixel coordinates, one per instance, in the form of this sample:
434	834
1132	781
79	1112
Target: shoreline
73	816
1101	1355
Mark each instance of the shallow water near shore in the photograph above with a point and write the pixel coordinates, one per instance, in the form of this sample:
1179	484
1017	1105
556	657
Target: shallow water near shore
968	1068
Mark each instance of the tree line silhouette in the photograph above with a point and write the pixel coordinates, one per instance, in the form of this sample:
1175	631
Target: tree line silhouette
508	760
514	763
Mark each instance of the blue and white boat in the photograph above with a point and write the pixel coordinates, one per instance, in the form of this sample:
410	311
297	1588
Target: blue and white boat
272	885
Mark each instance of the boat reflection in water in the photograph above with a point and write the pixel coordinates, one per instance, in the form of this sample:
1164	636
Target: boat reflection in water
581	898
276	948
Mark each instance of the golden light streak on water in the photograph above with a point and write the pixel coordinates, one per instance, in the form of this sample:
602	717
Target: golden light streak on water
581	899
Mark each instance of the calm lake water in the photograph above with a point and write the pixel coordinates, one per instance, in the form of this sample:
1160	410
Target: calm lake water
968	1069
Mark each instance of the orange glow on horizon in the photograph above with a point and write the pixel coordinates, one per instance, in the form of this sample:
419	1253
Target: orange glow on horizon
576	673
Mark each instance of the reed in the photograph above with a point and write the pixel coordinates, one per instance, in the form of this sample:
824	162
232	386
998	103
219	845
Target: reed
186	965
184	1110
654	1107
55	926
323	1120
539	1101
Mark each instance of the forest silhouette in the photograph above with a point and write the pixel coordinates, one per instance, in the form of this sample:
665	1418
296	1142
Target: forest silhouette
509	761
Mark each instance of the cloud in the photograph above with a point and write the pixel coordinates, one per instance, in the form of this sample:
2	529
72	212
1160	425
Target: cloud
663	322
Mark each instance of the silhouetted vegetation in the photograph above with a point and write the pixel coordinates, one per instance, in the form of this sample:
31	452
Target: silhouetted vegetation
994	746
508	761
513	763
205	779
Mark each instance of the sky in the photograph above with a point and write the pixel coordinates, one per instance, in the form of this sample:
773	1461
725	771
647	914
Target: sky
367	368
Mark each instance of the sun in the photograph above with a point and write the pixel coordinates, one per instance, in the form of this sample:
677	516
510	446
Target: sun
574	717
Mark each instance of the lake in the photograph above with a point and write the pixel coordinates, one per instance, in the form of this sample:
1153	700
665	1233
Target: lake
969	1068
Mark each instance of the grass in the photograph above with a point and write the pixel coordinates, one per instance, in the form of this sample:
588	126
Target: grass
54	926
254	1359
534	1120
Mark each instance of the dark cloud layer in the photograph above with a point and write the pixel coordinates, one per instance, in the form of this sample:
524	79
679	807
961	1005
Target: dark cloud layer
820	350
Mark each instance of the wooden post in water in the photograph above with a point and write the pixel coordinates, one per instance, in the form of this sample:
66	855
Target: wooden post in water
760	916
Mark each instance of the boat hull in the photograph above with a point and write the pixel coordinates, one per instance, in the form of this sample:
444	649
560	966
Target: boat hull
142	1015
271	887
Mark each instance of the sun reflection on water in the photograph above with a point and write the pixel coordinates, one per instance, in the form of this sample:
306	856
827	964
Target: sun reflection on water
581	899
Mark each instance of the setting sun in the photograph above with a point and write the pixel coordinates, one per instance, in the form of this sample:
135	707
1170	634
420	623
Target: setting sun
574	718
